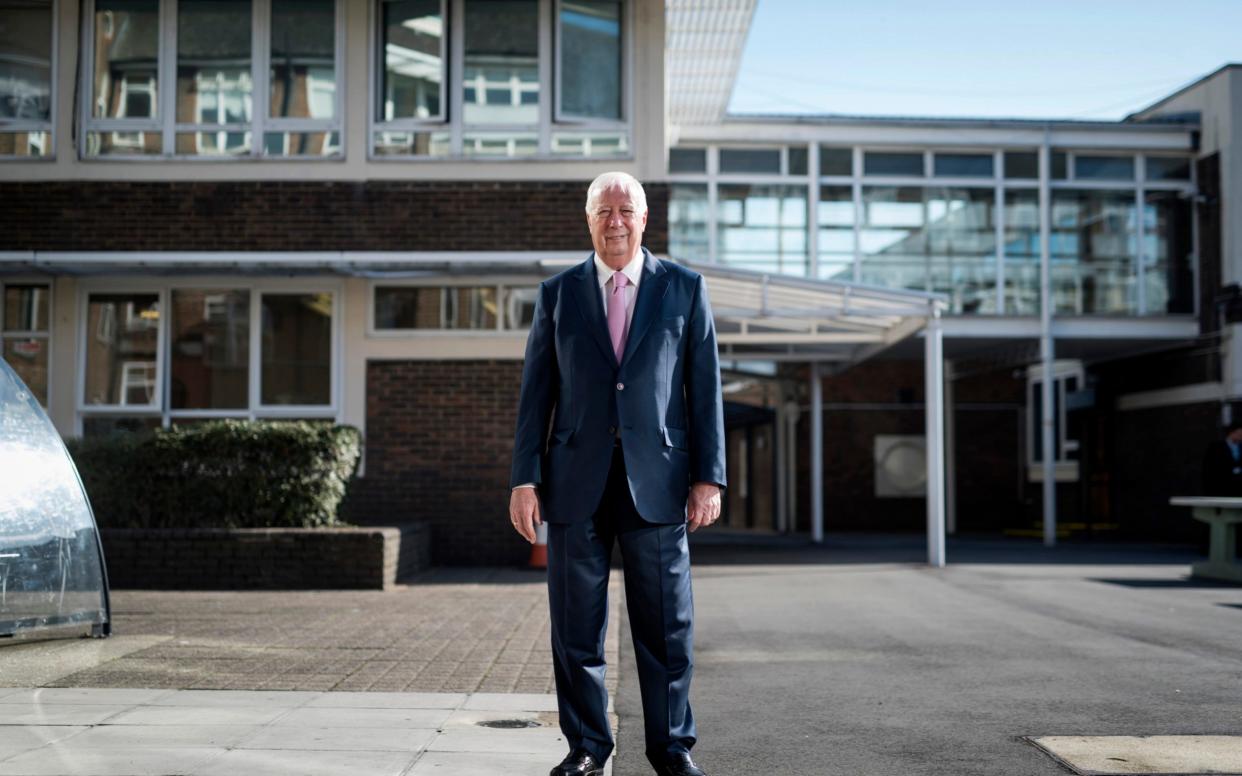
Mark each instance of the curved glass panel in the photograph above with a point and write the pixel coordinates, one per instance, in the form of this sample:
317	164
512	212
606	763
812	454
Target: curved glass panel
51	562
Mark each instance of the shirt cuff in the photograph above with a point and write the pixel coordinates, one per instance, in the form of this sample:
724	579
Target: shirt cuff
525	485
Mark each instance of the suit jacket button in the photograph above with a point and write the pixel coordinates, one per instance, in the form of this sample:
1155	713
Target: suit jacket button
620	386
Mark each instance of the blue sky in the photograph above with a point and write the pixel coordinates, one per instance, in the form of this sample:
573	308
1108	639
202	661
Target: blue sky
1082	59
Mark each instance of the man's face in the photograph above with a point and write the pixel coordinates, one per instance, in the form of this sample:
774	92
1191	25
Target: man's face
616	226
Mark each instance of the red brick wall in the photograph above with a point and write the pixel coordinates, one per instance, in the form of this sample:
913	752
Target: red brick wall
439	443
305	216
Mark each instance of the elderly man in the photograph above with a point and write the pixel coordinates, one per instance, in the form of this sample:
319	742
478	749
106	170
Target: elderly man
620	437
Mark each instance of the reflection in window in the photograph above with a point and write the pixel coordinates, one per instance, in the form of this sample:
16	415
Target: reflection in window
1022	165
1168	275
26	307
763	227
500	80
303	66
590	59
590	144
893	238
296	350
26	61
214	85
961	245
520	307
1021	251
963	165
435	307
747	160
210	349
1093	247
1111	168
413	78
836	233
24	335
687	222
836	161
28	357
1168	168
687	160
127	36
122	332
893	163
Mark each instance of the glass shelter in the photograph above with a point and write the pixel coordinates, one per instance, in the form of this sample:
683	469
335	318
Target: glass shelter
52	575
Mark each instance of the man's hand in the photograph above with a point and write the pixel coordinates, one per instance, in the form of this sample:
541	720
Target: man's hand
703	508
524	512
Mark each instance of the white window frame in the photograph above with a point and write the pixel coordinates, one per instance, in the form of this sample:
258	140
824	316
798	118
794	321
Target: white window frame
1065	469
165	123
28	334
551	122
257	288
49	127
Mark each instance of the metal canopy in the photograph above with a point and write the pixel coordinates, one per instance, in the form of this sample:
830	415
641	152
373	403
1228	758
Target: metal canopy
781	318
702	52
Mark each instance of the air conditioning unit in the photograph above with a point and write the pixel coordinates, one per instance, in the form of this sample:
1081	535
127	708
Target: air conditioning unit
900	466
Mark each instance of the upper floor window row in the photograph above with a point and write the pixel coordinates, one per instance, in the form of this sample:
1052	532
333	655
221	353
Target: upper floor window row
501	78
27	71
231	79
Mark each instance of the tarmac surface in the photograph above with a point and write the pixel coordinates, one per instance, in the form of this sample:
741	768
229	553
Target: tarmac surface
852	658
855	659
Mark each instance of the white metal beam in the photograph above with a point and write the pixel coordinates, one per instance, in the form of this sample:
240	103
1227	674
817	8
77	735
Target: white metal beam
933	342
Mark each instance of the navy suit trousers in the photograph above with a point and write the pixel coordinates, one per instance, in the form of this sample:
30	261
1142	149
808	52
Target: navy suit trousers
656	558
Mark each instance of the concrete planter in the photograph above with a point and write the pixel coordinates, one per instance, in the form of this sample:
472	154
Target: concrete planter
352	557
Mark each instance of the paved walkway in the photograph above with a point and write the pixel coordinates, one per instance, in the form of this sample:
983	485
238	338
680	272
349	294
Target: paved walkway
322	683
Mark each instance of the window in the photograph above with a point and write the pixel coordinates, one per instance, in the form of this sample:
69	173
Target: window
836	161
1068	388
239	352
763	227
1094	246
488	78
963	165
689	160
246	79
1168	168
1107	168
425	308
26	76
889	163
687	222
750	160
25	336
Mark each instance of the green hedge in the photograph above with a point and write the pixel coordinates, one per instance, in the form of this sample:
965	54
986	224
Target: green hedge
219	474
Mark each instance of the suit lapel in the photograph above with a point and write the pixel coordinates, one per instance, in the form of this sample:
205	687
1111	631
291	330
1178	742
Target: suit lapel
650	294
591	304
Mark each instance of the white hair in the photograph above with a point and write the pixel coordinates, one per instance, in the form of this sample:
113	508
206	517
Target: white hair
623	179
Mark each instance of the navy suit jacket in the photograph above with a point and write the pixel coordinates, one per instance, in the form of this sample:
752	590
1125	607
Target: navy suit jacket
664	396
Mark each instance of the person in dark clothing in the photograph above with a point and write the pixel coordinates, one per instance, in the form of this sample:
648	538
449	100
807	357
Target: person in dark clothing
1222	464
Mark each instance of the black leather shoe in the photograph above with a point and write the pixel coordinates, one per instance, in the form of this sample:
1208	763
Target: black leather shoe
678	765
580	762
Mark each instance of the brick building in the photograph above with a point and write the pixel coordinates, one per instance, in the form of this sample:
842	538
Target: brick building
346	207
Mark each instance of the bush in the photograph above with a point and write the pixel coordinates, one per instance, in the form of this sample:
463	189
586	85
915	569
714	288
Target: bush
219	474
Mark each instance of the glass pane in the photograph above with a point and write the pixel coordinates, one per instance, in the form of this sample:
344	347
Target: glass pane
797	160
101	425
1021	252
594	144
1168	168
887	163
51	568
499	144
29	144
28	357
297	349
127	37
213	62
1093	245
413	32
210	349
836	161
687	160
303	74
590	65
687	222
26	60
836	232
963	165
224	142
750	160
302	144
1115	168
26	307
1022	165
500	79
893	239
520	307
1168	274
1059	163
763	227
124	143
122	333
411	144
961	244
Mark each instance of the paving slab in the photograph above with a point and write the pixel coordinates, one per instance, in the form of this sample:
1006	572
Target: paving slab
71	761
309	762
375	739
364	718
1104	755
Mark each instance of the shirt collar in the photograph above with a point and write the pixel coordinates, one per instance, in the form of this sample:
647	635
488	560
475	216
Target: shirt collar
633	270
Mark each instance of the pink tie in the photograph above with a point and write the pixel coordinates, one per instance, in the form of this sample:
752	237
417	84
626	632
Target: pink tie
616	313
